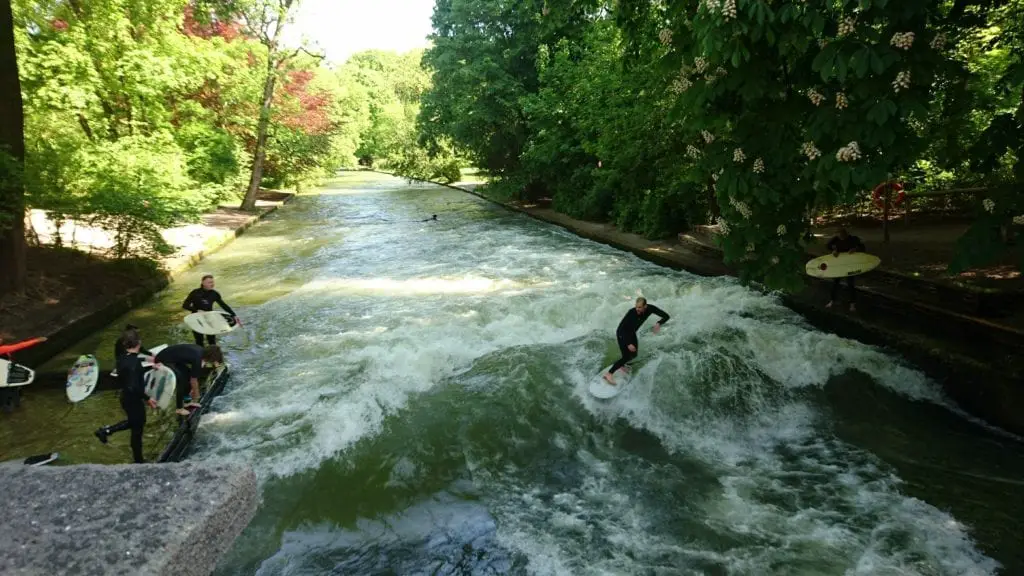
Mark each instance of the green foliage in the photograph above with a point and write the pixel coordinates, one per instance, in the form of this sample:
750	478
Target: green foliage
660	115
213	159
142	113
134	186
387	88
593	130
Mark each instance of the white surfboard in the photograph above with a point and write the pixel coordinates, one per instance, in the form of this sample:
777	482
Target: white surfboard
845	264
154	351
13	375
599	388
82	378
212	323
160	386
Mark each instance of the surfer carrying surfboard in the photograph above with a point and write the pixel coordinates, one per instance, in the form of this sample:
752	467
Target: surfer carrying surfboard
626	333
203	299
133	394
843	242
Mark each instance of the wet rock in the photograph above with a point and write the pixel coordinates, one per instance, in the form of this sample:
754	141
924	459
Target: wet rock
174	519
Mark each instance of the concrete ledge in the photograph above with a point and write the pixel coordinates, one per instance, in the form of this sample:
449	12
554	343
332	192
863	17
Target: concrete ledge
173	519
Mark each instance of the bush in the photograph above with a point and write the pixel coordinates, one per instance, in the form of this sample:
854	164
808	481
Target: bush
133	187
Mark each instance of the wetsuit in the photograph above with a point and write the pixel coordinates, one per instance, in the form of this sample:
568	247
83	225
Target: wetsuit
626	332
187	362
119	351
202	299
12	348
837	244
133	398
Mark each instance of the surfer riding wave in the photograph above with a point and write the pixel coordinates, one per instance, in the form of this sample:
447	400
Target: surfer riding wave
626	333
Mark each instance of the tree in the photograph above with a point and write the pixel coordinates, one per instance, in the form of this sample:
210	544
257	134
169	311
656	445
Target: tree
12	161
386	89
266	19
484	61
998	153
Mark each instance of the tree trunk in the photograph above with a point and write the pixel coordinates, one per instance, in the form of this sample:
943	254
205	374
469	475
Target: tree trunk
249	203
12	161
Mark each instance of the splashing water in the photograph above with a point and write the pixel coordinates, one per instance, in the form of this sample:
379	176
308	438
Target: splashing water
415	401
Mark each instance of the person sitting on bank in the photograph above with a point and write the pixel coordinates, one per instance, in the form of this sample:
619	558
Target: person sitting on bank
186	360
12	348
202	299
133	394
842	243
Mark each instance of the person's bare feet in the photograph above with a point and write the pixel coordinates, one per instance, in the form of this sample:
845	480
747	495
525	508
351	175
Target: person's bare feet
609	378
829	305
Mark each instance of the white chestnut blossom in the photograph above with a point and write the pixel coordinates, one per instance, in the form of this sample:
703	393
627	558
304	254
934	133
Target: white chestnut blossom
902	40
849	153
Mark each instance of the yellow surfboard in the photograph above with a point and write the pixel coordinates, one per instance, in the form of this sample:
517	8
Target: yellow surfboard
843	265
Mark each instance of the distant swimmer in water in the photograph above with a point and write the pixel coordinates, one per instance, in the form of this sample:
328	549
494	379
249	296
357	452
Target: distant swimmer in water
431	219
626	333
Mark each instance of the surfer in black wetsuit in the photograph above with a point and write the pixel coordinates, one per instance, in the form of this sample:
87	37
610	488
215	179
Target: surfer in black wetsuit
203	299
187	362
843	242
626	333
433	219
133	394
119	349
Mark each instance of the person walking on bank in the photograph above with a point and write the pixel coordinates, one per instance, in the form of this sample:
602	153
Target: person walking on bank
203	299
843	242
133	394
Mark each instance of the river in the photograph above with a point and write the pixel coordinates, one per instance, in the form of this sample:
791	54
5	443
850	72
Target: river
413	398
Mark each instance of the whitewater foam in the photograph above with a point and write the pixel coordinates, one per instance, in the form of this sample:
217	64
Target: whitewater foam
377	330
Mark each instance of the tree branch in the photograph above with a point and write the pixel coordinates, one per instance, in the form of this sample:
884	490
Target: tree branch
293	53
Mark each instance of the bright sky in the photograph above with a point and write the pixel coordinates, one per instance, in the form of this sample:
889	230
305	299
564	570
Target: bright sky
341	28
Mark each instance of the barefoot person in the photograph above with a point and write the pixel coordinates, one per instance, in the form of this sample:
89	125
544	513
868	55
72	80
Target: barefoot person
626	333
843	242
133	394
203	299
187	361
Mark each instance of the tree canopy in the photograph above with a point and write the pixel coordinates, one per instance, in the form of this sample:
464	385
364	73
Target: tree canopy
144	114
748	114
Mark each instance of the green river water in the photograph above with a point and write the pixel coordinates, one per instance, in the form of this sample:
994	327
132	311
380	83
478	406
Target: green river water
413	398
